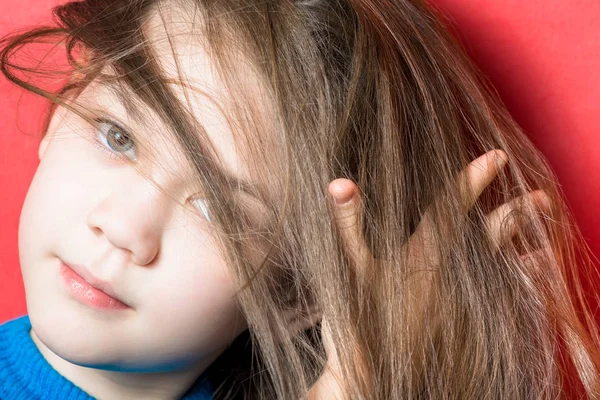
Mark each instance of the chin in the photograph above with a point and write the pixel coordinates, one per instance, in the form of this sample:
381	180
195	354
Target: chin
64	337
67	338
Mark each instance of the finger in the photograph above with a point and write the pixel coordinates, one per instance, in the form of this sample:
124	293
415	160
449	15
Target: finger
502	223
298	321
542	258
329	385
479	174
346	208
475	177
541	262
541	253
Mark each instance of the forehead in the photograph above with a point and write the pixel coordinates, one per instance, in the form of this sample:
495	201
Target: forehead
184	58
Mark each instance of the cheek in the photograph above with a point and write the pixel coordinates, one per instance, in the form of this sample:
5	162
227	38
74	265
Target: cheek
194	290
56	196
49	201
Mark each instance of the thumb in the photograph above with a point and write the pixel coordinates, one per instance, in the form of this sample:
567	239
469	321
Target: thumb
346	209
329	385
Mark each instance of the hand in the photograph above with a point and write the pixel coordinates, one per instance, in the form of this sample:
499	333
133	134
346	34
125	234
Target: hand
420	247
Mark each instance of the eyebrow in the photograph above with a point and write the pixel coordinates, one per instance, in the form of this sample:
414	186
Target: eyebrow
123	93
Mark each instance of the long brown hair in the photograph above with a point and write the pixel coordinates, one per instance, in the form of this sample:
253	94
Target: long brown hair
381	93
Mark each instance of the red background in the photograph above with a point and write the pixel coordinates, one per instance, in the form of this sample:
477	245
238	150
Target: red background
542	56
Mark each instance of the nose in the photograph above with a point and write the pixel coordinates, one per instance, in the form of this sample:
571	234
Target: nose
132	217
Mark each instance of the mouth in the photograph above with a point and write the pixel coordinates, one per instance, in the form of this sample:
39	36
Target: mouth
89	290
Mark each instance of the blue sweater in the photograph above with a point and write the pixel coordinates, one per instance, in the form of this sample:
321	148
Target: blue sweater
25	374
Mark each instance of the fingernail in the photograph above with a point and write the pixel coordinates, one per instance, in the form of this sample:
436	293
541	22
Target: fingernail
525	257
544	199
501	155
341	200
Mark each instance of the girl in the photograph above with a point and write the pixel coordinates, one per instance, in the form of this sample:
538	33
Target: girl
287	199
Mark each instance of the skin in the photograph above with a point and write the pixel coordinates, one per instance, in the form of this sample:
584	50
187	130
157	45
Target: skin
346	200
84	207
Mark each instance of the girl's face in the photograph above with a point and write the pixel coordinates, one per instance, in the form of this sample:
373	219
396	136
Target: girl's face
88	209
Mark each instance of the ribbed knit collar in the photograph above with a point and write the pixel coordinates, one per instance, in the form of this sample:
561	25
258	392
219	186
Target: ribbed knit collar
25	373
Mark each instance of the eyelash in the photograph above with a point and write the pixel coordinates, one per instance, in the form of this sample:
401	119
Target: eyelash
113	154
119	156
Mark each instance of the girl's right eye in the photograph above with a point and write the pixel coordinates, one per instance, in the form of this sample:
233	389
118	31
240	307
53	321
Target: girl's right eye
114	140
111	136
201	204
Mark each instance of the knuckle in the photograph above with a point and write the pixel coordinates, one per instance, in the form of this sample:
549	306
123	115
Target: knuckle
347	221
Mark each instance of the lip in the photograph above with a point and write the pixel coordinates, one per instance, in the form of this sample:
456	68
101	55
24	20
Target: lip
88	289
